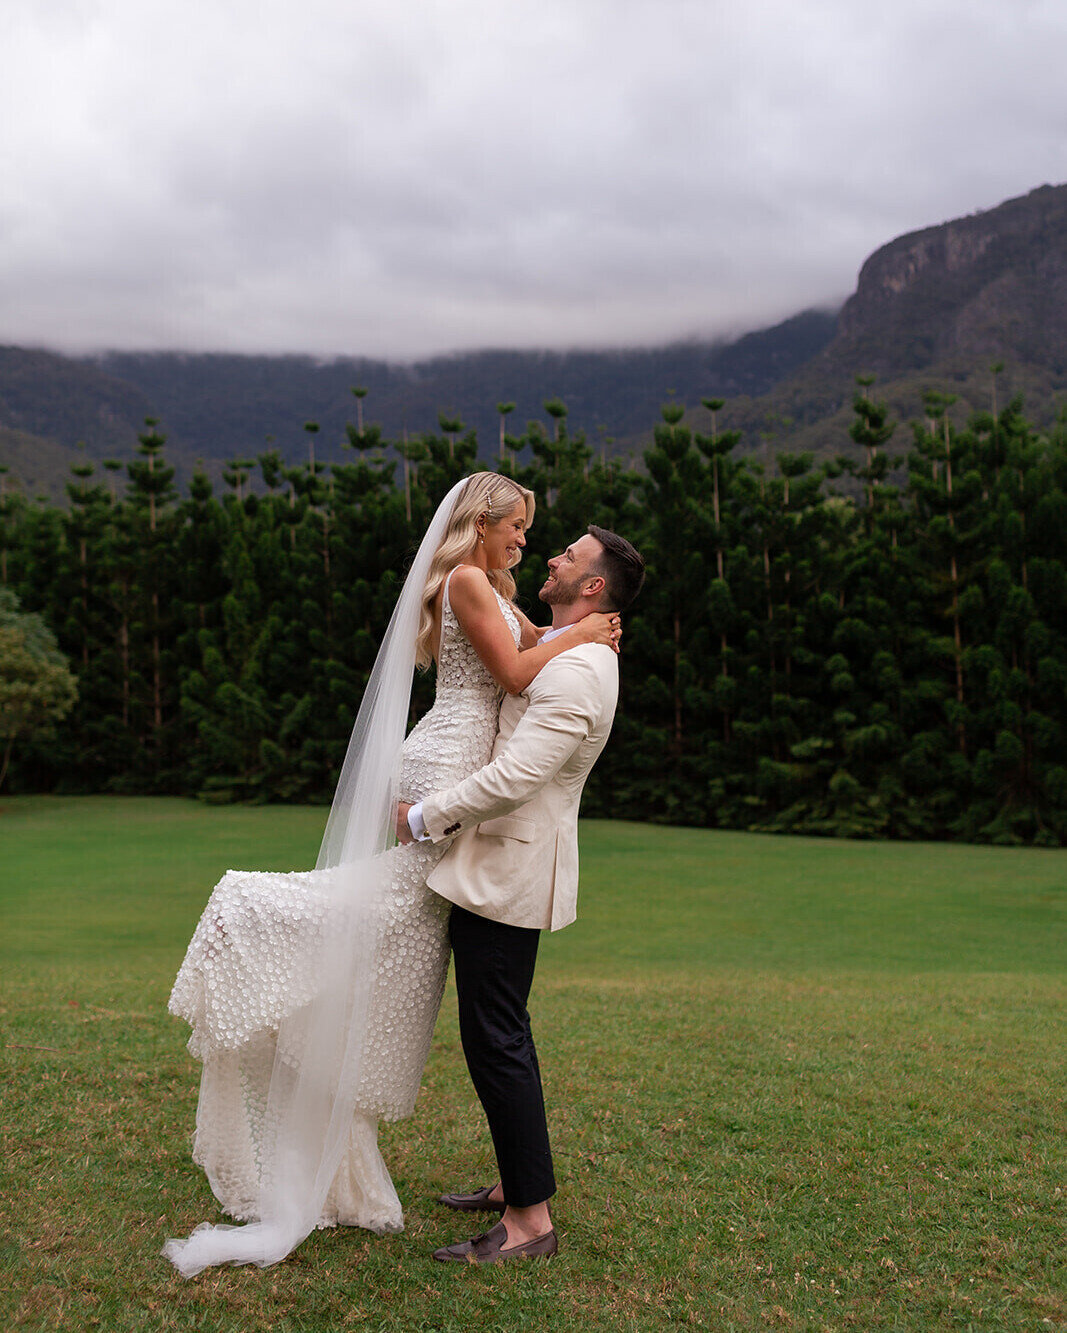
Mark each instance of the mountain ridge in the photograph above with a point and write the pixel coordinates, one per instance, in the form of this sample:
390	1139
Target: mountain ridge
935	308
957	290
213	406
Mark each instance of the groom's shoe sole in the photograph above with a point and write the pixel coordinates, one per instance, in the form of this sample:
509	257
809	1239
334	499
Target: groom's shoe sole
489	1248
478	1201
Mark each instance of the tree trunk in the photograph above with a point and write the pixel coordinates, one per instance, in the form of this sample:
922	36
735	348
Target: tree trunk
85	602
958	653
326	573
157	676
767	581
715	503
954	576
124	652
677	673
725	673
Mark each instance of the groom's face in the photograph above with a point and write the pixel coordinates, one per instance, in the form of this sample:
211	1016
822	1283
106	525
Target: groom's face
570	571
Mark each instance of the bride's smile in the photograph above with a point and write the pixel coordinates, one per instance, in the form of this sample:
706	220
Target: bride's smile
500	544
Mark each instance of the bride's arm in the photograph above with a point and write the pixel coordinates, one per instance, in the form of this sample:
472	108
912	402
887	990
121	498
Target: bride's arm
474	602
531	633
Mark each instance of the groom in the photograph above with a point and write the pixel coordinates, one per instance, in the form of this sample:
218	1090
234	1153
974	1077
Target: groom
513	872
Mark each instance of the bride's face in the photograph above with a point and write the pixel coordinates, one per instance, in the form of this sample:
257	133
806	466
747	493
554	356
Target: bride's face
504	540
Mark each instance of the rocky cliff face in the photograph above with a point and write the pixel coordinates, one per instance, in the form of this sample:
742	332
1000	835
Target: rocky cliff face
991	286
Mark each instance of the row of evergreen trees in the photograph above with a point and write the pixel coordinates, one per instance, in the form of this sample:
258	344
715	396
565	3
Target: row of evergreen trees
869	646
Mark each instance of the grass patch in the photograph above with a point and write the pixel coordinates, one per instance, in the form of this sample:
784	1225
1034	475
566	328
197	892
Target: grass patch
793	1084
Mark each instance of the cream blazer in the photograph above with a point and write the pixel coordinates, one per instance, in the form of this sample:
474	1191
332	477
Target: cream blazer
515	858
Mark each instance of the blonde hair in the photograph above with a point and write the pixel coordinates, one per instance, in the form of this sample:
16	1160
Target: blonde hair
485	493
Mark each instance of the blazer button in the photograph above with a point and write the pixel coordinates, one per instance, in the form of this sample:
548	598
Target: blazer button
453	828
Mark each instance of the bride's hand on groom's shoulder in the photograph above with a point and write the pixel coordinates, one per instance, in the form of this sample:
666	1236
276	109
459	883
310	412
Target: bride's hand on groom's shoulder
600	627
403	830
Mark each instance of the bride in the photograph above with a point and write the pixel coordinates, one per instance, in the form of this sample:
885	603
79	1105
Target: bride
312	996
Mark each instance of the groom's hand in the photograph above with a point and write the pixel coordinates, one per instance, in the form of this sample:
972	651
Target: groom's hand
403	832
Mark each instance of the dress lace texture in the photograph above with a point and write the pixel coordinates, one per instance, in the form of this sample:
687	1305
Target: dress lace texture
250	965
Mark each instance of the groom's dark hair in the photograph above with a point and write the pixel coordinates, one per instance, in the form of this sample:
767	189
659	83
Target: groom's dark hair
620	566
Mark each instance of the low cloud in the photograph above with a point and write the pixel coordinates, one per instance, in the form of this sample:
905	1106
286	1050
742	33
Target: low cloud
397	180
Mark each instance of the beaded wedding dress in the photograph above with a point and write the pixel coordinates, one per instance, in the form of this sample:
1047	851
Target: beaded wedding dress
249	971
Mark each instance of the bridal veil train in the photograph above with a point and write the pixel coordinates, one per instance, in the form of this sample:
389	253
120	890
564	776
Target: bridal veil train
309	1116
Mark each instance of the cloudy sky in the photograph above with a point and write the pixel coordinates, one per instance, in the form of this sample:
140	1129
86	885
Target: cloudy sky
401	177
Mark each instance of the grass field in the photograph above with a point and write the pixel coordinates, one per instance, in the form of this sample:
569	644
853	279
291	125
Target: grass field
793	1084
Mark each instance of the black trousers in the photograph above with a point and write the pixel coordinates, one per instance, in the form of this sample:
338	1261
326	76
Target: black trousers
494	971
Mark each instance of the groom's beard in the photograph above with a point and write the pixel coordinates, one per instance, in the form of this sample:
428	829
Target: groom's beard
557	592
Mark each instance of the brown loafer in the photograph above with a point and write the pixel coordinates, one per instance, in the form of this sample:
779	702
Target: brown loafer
489	1248
478	1201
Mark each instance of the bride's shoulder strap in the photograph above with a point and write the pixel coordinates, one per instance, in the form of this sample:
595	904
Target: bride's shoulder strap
448	580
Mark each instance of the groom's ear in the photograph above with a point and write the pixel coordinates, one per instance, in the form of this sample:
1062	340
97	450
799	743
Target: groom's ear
595	586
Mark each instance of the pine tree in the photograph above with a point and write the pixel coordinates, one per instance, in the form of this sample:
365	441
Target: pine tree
153	520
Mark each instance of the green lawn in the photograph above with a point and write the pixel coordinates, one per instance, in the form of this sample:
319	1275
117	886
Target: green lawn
793	1084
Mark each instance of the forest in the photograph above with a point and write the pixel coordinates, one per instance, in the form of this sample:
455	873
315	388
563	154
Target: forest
873	645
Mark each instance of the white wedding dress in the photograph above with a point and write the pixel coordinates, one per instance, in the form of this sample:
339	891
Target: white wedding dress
250	965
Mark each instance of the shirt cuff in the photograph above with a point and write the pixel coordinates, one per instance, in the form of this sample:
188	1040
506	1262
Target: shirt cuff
416	823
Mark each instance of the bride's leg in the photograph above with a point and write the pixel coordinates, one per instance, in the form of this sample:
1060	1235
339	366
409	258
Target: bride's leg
362	1193
230	1124
412	967
248	967
247	970
251	961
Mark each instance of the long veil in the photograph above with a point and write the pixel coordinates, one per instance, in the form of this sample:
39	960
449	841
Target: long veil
319	1053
